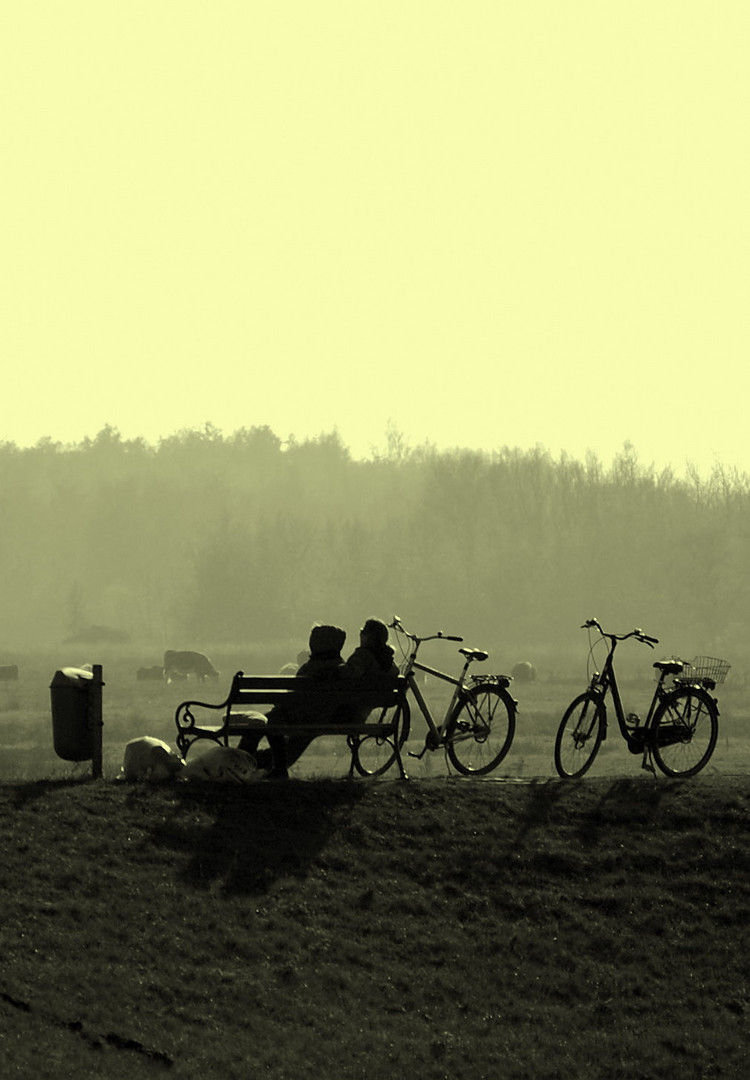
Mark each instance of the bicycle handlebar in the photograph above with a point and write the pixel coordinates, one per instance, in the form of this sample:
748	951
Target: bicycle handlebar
398	625
594	624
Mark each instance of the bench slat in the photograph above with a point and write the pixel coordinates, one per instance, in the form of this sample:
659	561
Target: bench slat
242	727
274	697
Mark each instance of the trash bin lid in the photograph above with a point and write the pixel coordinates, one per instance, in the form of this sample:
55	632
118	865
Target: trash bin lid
67	675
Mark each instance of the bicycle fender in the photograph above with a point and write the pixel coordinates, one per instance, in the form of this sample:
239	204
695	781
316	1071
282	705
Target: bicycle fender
708	699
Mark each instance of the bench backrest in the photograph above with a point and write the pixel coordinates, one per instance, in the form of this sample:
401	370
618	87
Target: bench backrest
267	689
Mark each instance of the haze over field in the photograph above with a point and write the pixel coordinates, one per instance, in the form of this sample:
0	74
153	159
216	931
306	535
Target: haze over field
207	539
491	224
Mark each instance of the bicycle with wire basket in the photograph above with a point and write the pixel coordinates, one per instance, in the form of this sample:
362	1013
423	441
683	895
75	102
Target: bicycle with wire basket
680	730
477	729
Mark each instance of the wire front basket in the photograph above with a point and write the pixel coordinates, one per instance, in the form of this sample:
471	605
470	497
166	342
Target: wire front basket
709	667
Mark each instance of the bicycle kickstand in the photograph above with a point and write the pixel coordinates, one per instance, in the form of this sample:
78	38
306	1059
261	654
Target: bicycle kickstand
420	754
432	742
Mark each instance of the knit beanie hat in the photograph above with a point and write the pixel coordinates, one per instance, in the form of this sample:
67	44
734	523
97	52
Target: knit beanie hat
376	630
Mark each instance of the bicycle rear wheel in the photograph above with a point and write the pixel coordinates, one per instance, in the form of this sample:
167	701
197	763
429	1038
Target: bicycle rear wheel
579	736
684	733
479	731
374	755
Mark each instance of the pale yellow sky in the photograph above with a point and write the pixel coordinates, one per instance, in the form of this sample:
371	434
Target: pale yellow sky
489	222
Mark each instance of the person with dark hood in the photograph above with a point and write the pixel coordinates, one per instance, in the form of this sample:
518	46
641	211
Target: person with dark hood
325	660
325	664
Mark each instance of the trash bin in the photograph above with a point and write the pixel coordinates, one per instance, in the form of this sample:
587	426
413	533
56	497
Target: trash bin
75	697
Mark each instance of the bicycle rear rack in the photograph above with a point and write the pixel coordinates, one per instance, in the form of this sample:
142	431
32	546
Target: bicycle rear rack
497	680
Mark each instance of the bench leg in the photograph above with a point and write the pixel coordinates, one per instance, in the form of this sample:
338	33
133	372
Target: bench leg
397	747
399	759
186	740
351	743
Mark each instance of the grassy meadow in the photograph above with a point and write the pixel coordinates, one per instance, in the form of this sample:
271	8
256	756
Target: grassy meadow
510	927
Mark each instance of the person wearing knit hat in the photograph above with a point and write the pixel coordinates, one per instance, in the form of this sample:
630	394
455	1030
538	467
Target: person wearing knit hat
373	660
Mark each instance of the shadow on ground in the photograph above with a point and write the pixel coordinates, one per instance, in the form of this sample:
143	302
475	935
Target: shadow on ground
243	839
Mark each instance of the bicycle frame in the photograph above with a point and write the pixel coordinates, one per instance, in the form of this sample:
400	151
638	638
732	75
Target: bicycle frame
462	689
435	731
606	682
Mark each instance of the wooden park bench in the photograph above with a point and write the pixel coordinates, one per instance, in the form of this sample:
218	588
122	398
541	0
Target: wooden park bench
310	699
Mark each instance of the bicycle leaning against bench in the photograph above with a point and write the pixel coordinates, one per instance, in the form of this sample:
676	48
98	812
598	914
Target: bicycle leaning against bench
477	730
680	729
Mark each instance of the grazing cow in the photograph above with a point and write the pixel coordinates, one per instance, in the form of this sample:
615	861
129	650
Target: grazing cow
523	671
182	664
155	672
223	764
9	673
152	759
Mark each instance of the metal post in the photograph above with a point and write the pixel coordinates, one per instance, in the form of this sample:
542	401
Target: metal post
96	722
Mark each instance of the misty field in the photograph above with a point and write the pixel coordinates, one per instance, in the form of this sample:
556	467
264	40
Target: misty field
132	708
207	538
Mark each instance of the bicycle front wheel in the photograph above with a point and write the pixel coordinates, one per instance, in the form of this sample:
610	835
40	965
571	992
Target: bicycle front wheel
373	754
479	731
684	733
579	736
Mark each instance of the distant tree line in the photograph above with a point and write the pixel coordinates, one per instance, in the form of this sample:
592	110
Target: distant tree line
208	538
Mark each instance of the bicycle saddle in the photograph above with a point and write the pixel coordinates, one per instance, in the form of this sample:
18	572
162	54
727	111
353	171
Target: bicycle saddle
672	667
474	654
